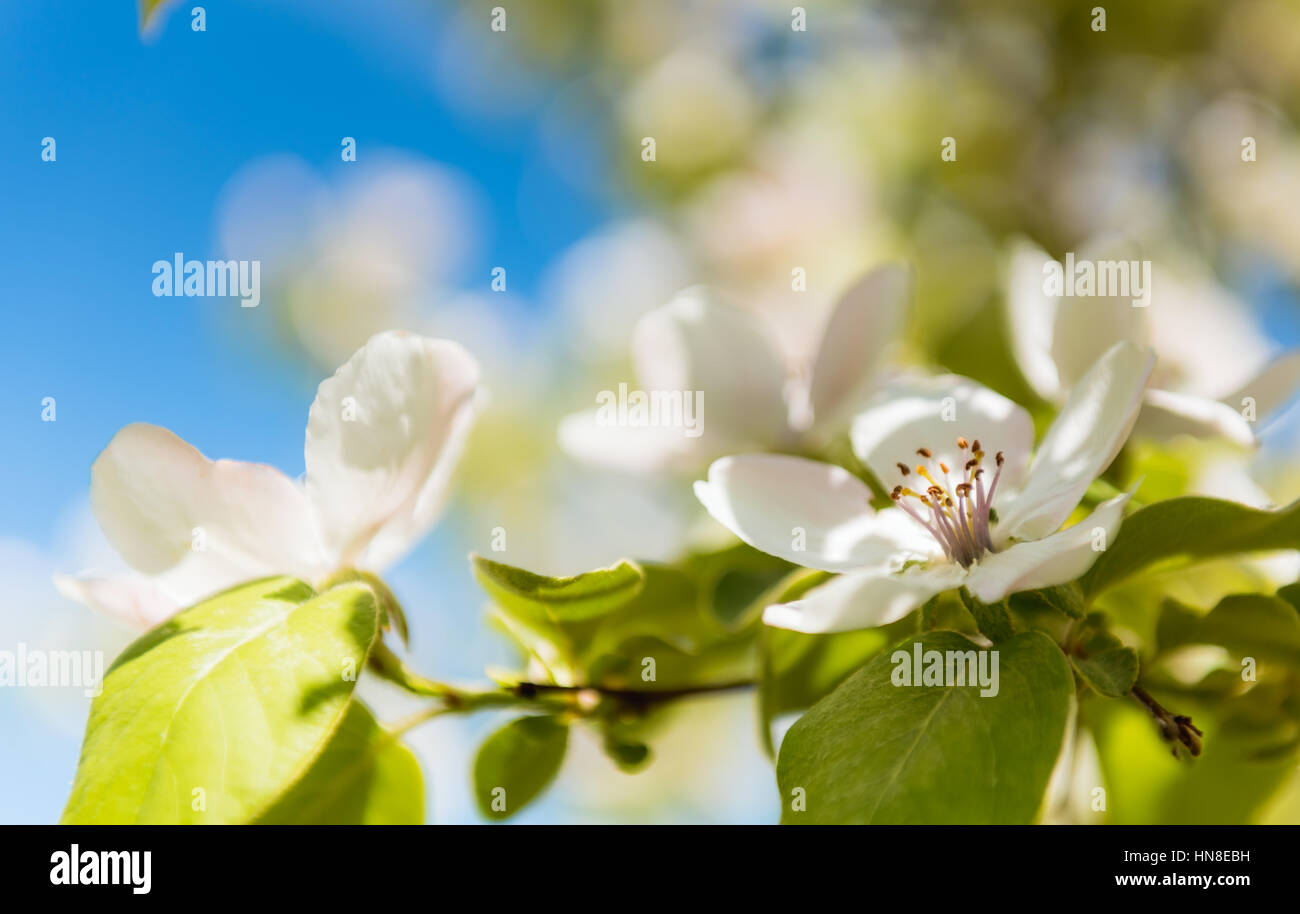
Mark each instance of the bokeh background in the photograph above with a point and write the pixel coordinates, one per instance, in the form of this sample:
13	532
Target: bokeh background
521	150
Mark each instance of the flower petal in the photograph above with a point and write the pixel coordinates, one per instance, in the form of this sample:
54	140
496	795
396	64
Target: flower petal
159	501
695	343
813	514
1274	386
406	527
1166	415
1087	326
932	413
1057	559
1031	312
864	599
1084	439
383	430
866	322
1193	321
133	599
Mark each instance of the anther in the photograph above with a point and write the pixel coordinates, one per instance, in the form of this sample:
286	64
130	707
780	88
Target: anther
958	515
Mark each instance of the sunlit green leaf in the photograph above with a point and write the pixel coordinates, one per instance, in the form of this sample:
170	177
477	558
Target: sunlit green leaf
573	599
209	717
364	776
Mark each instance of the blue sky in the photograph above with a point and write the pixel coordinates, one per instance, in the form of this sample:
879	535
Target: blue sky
148	134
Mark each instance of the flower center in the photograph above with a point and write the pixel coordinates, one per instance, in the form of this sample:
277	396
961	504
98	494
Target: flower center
956	516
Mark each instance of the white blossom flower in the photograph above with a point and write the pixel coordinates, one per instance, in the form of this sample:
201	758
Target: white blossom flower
1211	356
383	436
970	508
750	399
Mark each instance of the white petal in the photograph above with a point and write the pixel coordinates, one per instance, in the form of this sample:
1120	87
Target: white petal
813	514
1086	327
159	501
383	428
864	599
1031	313
1273	387
1193	321
932	413
407	527
694	343
132	599
866	322
1166	414
1057	559
1087	434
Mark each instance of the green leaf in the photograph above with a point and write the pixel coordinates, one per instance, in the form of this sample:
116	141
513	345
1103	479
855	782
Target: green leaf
1248	624
1066	599
993	619
873	752
517	762
1245	761
797	669
364	776
1191	527
223	706
575	599
667	619
734	584
1106	664
1291	593
629	755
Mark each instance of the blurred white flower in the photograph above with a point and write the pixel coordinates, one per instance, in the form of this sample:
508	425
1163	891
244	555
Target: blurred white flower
606	281
694	105
347	260
945	536
1243	156
383	436
802	202
1211	356
749	398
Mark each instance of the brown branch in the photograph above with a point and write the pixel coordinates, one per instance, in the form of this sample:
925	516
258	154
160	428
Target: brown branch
1177	729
